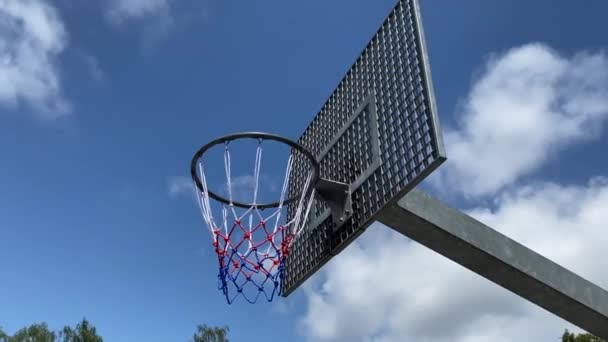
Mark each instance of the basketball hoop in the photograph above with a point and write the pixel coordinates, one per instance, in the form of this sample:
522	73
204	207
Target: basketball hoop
253	242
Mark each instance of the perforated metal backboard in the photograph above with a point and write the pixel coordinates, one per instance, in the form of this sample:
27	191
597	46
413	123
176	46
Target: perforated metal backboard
378	132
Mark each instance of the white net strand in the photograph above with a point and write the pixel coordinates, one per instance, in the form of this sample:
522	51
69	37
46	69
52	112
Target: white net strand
225	218
199	201
227	168
284	190
227	172
256	179
294	227
256	171
203	201
308	206
249	240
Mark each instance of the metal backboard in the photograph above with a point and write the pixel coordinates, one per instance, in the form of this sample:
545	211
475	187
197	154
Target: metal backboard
378	132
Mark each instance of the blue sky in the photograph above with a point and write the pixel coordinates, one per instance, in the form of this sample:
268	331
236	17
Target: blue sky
102	105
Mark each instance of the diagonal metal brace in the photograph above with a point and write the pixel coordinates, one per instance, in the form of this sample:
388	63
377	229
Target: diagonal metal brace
338	198
500	259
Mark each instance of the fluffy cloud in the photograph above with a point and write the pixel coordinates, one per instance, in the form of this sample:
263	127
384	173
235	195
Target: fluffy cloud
180	185
386	288
122	10
154	16
32	35
528	104
242	187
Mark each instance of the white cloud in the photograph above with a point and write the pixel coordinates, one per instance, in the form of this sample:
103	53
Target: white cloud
180	185
528	104
122	10
32	35
155	17
388	288
242	188
566	224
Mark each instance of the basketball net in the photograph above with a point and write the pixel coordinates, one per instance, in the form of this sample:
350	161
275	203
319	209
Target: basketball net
252	244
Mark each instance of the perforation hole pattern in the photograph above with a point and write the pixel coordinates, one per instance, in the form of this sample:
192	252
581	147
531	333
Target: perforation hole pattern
392	69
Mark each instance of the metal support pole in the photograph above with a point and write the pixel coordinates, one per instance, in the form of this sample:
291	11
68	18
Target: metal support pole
500	259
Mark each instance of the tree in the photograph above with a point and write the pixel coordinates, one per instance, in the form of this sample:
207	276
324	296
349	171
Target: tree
3	336
211	334
571	337
84	332
35	332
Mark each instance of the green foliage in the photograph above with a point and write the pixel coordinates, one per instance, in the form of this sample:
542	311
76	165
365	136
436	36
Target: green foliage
84	332
3	336
211	334
34	333
571	337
